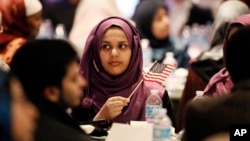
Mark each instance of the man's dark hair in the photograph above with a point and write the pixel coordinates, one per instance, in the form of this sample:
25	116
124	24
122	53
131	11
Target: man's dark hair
42	63
237	55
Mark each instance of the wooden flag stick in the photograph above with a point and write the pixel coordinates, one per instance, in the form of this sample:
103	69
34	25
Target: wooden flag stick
132	93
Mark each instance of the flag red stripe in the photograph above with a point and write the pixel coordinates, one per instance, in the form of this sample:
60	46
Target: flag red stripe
158	74
154	80
154	77
169	69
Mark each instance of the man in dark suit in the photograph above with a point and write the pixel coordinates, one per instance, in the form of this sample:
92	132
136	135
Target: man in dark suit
48	71
209	116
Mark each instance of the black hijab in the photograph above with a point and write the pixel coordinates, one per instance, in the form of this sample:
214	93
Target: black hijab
143	17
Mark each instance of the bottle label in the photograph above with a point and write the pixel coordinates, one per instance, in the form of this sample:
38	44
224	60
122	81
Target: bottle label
152	110
161	133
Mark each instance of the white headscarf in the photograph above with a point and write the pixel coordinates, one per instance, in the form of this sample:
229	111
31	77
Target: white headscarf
32	7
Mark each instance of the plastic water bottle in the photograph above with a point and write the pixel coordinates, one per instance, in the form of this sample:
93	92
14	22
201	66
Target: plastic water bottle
146	53
171	82
169	58
162	126
60	32
153	104
46	30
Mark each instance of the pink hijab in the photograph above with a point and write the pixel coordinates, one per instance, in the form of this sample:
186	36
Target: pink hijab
103	86
221	82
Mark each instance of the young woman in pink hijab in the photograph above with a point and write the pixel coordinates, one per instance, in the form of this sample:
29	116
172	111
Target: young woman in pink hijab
112	65
221	82
21	20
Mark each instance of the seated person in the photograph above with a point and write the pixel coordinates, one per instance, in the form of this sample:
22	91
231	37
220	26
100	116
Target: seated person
206	117
48	71
210	62
221	82
112	64
153	24
21	22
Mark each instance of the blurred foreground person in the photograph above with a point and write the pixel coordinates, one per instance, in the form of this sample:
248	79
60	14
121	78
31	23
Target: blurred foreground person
221	83
18	115
209	62
215	115
48	71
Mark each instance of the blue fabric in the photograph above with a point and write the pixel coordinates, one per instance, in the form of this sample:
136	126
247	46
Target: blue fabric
5	134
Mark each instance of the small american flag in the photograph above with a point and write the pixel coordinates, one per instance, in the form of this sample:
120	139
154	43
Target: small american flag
159	72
